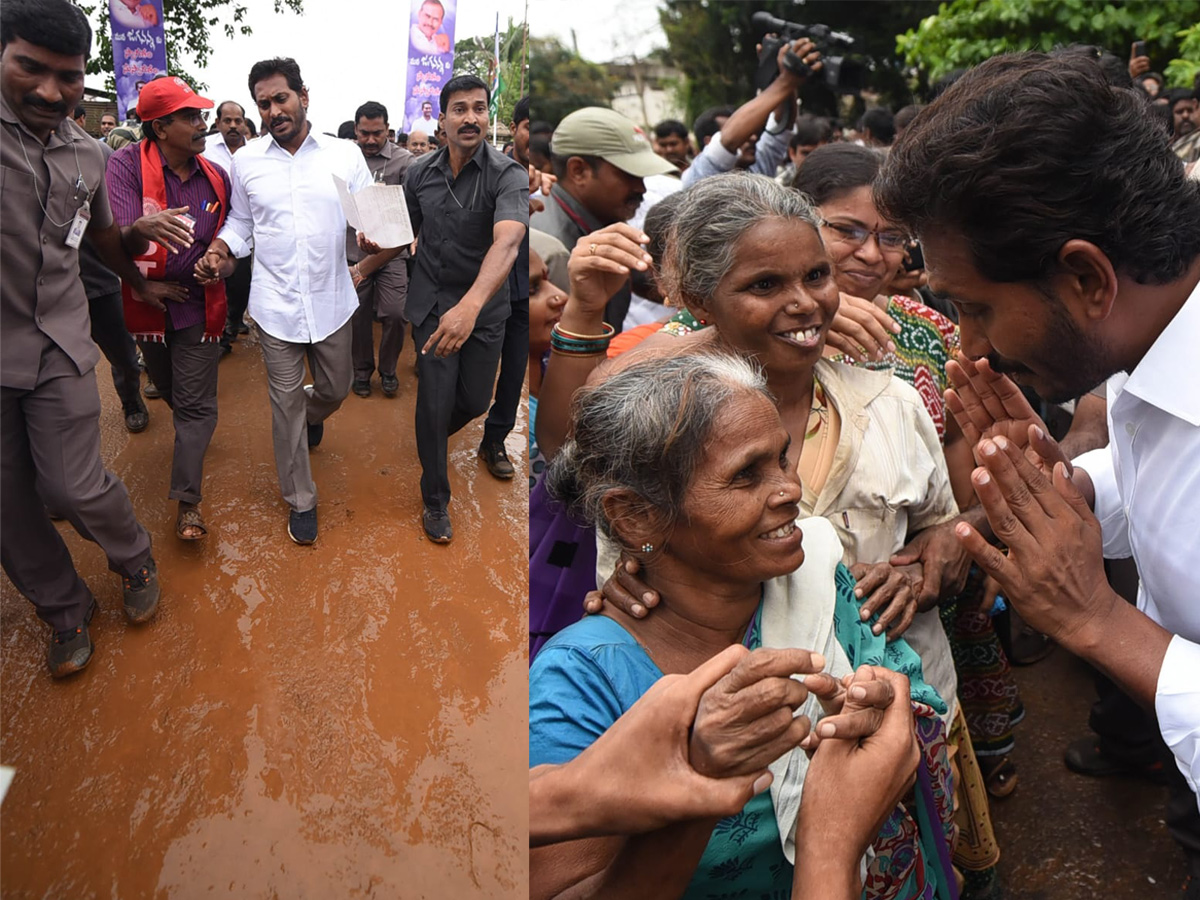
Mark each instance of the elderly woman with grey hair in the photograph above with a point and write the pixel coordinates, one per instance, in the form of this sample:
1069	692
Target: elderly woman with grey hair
684	460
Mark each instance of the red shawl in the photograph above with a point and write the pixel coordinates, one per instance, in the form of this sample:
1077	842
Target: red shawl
143	320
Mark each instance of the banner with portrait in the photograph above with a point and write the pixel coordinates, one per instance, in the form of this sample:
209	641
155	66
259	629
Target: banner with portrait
139	49
430	62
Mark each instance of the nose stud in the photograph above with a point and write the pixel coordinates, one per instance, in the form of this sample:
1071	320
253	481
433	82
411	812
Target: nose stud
783	493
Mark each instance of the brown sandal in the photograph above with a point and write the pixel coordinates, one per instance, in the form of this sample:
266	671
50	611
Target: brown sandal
999	776
189	517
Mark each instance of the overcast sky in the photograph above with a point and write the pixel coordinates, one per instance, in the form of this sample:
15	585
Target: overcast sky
622	27
348	52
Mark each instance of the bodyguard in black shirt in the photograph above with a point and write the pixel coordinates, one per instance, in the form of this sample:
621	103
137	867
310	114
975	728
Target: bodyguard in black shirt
469	206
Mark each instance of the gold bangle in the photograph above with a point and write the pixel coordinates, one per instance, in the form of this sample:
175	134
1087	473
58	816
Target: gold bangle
608	332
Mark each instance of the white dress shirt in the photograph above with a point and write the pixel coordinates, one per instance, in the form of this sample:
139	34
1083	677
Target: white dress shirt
1147	482
217	151
301	289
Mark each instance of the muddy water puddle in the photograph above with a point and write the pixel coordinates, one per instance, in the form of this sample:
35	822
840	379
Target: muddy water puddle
343	720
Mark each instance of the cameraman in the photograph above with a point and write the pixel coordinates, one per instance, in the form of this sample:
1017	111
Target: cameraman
740	131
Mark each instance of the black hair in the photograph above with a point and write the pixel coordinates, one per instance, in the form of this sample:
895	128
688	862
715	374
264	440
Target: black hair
836	169
346	131
810	130
1029	151
280	65
148	127
1166	118
224	103
1150	76
370	110
461	83
540	127
946	82
904	117
402	138
80	110
881	123
251	127
706	125
56	25
668	127
539	144
559	163
1115	69
1174	95
657	225
521	110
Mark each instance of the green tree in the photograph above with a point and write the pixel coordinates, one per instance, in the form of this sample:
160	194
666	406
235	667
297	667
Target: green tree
561	81
966	32
187	25
475	56
713	44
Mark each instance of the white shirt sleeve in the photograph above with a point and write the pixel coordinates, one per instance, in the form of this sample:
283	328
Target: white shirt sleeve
1177	704
1108	507
713	160
239	224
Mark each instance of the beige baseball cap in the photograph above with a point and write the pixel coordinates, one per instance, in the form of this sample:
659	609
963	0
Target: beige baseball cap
596	131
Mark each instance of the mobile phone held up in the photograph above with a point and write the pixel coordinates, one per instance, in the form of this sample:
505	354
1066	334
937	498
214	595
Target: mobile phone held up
1139	48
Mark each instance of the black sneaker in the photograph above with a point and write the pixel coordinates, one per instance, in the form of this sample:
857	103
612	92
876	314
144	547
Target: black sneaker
315	433
151	390
437	525
390	384
362	387
496	459
71	651
137	417
243	328
142	593
302	526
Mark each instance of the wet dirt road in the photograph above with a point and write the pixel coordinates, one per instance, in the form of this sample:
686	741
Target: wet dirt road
339	721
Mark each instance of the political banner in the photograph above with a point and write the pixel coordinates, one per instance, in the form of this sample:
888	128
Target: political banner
430	62
139	49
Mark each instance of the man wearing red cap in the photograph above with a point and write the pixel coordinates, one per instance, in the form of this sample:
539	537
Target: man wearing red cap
170	202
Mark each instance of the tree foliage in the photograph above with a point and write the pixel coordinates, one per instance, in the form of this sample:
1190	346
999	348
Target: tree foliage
964	33
475	56
562	81
187	26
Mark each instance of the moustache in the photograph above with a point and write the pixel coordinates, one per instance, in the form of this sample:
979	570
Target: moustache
277	122
469	129
39	103
1002	366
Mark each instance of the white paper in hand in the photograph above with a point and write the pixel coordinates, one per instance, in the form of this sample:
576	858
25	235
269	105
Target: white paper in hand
379	211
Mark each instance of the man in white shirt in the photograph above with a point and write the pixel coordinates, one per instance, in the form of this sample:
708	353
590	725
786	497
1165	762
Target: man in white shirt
1061	280
302	296
219	148
423	33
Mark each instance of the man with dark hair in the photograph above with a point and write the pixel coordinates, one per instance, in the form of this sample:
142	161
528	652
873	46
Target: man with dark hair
424	32
904	117
402	139
219	148
878	127
520	131
53	193
469	206
600	159
107	123
426	121
539	152
811	132
301	297
1185	114
708	123
381	280
672	144
1063	281
166	172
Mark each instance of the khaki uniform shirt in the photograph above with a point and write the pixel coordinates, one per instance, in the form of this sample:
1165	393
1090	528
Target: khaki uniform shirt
387	167
42	299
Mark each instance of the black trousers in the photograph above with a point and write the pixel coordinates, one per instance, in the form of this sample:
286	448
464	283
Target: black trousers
237	297
116	343
514	362
451	391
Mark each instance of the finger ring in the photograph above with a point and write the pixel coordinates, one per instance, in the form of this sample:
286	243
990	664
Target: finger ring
592	250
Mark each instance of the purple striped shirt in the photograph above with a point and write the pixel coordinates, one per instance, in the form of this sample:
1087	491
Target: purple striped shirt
124	177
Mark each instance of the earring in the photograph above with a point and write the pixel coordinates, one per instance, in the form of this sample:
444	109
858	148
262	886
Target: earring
647	548
702	321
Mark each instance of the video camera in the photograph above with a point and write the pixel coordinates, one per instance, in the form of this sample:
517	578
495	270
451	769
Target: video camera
842	75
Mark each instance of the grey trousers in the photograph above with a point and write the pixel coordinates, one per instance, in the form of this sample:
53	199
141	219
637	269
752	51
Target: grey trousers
50	456
292	409
450	393
380	297
116	343
184	368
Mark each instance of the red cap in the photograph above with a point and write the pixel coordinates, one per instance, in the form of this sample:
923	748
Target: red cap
163	96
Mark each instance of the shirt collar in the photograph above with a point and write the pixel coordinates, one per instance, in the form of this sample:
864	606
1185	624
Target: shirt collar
442	160
557	192
1168	377
316	138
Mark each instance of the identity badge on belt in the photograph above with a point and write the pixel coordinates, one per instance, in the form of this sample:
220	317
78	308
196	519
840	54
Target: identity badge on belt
79	225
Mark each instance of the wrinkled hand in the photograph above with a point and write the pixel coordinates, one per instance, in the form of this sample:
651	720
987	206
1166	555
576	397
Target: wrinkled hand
454	327
891	591
853	785
745	721
991	590
861	716
166	229
987	404
862	330
368	247
944	565
624	590
1137	64
159	293
601	262
1054	572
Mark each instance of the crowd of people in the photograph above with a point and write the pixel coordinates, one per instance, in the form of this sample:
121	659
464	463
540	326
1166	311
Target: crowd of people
818	404
163	232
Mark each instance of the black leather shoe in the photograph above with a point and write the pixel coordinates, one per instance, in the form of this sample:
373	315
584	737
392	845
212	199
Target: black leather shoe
142	593
496	459
362	387
71	651
137	418
302	526
315	433
390	384
1085	757
437	525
